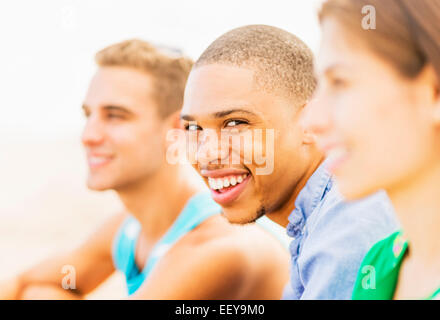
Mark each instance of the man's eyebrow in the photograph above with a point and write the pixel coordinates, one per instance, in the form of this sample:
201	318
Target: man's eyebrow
116	108
186	117
108	107
219	114
225	113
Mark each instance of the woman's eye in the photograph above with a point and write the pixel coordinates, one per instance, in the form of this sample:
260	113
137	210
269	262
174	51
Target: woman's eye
337	82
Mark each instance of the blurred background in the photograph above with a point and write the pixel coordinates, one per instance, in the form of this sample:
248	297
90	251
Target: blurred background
46	63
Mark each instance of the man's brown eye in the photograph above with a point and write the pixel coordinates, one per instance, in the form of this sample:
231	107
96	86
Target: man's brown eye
233	123
192	127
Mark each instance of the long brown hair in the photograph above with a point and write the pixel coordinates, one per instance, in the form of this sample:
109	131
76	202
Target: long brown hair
407	32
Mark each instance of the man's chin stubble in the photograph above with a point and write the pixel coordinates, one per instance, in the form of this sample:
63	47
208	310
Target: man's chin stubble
258	214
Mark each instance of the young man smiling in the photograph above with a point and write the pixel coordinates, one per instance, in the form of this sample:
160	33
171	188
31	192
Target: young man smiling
259	79
172	242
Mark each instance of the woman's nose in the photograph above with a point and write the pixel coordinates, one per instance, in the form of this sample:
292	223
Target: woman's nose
315	116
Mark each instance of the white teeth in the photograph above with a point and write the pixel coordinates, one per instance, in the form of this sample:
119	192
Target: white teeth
212	183
225	182
97	160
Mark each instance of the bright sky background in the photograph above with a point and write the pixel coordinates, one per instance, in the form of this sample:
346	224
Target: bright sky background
48	47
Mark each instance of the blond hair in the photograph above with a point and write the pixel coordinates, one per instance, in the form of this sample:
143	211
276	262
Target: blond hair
169	71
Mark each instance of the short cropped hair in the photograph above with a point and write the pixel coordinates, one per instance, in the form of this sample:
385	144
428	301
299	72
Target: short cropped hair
283	64
169	71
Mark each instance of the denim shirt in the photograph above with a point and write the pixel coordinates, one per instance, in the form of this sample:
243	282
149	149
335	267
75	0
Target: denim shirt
331	237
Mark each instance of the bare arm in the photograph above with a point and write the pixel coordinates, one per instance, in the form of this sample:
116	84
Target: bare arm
80	270
209	271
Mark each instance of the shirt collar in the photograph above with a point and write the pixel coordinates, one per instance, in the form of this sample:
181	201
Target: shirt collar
310	196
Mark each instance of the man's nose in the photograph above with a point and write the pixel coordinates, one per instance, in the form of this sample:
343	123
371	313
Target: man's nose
211	149
93	132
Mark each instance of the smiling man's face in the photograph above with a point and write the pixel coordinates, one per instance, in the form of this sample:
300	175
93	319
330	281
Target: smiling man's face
225	98
124	137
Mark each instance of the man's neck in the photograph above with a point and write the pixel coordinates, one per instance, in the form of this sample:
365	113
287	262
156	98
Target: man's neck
157	201
281	215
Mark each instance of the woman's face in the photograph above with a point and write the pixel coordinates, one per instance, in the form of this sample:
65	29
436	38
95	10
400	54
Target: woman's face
376	126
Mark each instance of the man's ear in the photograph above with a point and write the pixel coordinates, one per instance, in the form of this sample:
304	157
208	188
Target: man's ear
308	136
174	135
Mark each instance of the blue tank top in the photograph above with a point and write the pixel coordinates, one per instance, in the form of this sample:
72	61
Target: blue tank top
198	208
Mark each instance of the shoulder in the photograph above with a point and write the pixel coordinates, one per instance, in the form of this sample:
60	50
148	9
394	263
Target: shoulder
210	241
342	233
363	221
379	269
238	248
217	230
208	270
385	250
375	207
198	266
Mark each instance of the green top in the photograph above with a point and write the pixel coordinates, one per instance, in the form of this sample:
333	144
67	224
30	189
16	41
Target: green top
379	271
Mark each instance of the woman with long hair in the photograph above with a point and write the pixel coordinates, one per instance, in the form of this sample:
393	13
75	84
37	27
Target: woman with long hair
376	113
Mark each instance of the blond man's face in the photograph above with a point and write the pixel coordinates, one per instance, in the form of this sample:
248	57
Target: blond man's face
123	136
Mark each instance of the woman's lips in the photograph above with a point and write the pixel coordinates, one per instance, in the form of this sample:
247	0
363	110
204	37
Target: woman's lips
229	194
335	158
